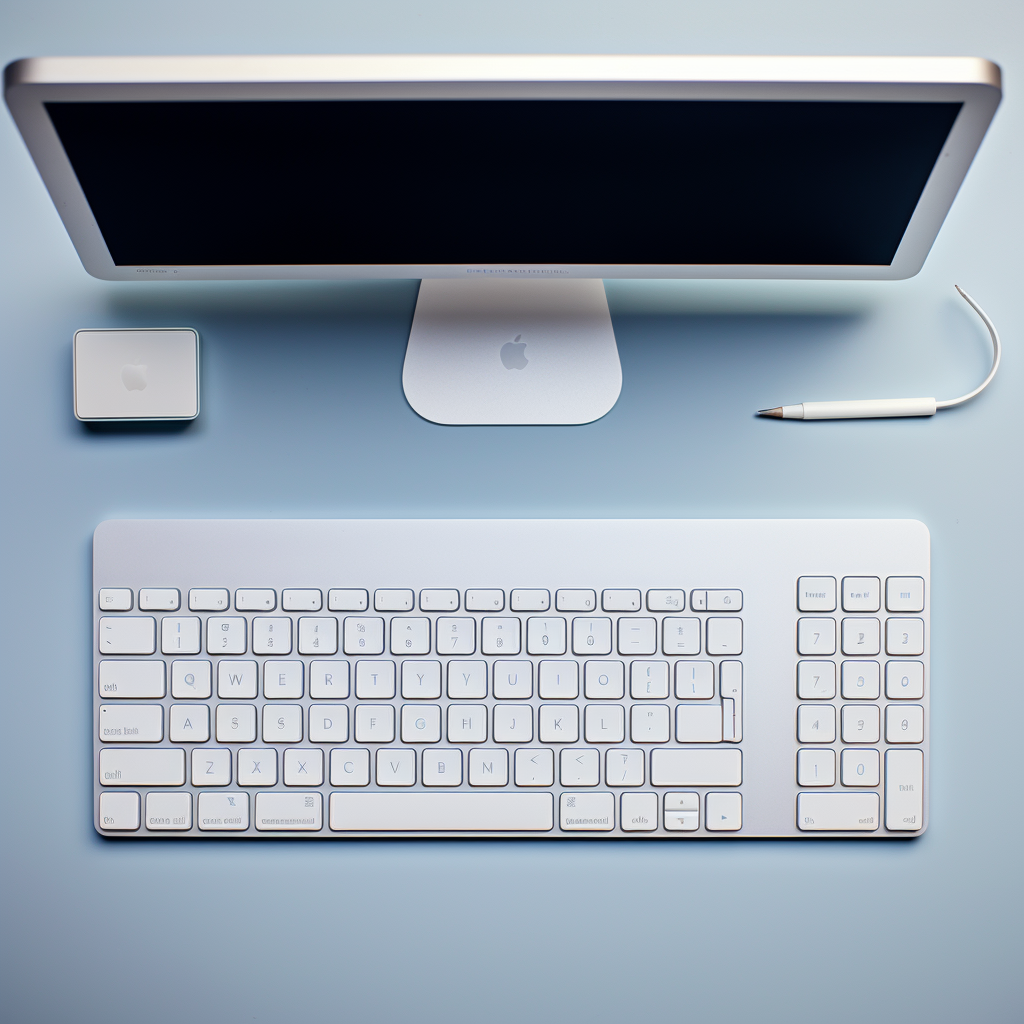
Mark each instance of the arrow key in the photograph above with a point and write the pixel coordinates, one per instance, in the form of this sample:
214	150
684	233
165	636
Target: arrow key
723	812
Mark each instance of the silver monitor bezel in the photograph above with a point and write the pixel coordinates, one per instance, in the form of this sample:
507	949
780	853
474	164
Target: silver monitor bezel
30	83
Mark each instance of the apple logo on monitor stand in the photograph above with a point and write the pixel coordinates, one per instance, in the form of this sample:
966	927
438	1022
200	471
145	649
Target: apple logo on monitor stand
513	354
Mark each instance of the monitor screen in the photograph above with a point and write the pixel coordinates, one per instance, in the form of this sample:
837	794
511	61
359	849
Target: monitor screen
541	182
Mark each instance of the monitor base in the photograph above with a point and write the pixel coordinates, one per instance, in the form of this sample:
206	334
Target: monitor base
500	351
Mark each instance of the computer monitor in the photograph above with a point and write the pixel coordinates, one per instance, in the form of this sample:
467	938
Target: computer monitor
511	185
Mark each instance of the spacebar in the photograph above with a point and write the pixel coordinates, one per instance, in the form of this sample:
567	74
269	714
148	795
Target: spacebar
442	812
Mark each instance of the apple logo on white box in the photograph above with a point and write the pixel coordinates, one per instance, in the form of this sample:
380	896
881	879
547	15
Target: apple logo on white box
513	354
133	376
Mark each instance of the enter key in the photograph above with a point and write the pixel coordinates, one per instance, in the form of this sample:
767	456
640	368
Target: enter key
731	688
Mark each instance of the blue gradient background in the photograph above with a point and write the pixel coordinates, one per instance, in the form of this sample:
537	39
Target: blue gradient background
303	415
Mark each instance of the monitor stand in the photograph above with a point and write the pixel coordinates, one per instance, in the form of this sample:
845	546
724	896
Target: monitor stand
509	351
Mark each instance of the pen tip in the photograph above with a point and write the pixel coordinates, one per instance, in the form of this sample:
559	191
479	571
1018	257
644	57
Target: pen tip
777	413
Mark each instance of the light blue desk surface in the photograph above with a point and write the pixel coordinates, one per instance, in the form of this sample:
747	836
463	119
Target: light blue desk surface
303	415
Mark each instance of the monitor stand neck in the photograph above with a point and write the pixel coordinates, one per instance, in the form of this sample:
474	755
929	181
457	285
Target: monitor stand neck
508	351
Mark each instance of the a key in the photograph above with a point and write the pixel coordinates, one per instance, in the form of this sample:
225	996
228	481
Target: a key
534	766
375	680
861	594
904	723
163	599
666	600
559	723
860	680
237	680
575	600
579	767
816	636
648	680
904	636
620	600
725	636
680	635
586	812
282	723
861	636
639	812
467	680
695	680
169	812
119	812
904	594
545	636
500	636
860	723
695	767
699	723
624	767
328	680
393	600
592	636
303	767
132	679
236	723
211	766
364	635
837	812
348	600
649	723
513	723
191	680
485	600
816	723
157	766
396	767
208	600
225	635
725	600
257	766
816	767
272	635
512	680
116	599
421	723
723	812
255	600
441	812
638	636
129	634
375	723
731	688
301	600
682	812
815	680
530	600
559	680
328	723
467	723
904	680
289	812
816	594
456	636
439	600
604	680
859	768
442	767
131	723
604	723
488	767
421	680
180	635
904	790
189	723
350	767
318	635
410	636
223	812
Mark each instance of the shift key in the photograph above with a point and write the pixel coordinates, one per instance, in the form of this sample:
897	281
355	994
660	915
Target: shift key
163	766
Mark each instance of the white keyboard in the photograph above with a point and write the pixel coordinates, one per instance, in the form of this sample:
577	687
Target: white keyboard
626	678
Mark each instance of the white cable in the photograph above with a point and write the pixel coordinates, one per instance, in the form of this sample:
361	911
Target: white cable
997	354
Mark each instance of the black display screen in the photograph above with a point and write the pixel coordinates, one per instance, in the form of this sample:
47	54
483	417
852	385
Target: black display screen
412	182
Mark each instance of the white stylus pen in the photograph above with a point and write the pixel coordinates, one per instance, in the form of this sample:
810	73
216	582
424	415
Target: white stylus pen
879	407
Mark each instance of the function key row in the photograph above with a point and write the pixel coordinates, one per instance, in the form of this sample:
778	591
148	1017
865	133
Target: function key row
214	599
860	594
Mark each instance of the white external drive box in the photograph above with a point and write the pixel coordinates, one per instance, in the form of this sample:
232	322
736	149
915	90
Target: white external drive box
148	374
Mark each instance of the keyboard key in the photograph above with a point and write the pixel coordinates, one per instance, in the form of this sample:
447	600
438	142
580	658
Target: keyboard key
620	600
165	599
257	766
289	812
375	680
530	600
861	637
488	767
672	767
421	723
682	802
861	680
364	635
180	636
816	594
375	723
132	679
860	723
904	790
534	766
639	812
421	680
467	680
731	688
223	812
604	723
301	600
208	600
723	812
442	767
211	766
393	600
119	812
500	636
815	680
513	680
328	680
545	636
638	636
725	636
624	767
816	767
682	812
559	680
604	680
236	723
410	636
396	767
579	767
116	599
725	600
189	723
456	635
441	812
816	636
282	723
273	635
467	723
513	723
237	680
350	767
439	600
592	636
318	635
575	600
648	680
169	812
859	767
328	723
132	634
861	594
158	766
348	600
904	680
586	812
699	723
816	723
649	723
680	636
837	812
666	600
485	600
904	723
559	723
255	600
695	680
904	636
225	635
904	594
